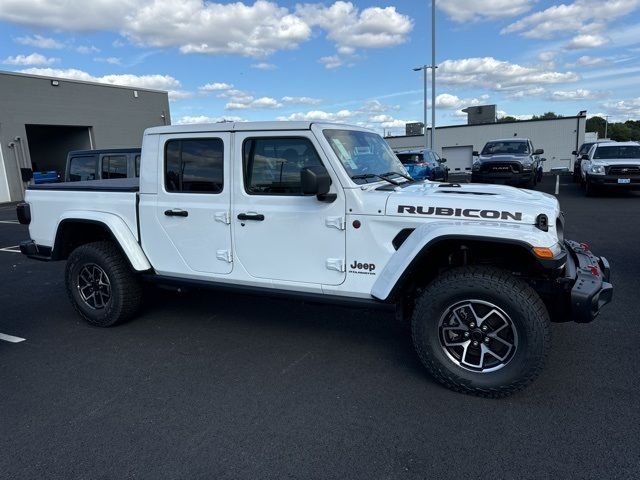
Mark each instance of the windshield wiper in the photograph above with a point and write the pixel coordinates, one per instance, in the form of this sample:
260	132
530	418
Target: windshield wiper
366	176
388	174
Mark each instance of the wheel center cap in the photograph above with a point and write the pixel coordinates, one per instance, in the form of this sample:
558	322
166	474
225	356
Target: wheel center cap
476	335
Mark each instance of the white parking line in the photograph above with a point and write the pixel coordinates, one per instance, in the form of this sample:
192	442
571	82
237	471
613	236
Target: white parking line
557	184
11	338
14	222
14	249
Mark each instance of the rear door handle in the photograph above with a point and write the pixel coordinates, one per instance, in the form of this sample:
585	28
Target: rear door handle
258	217
176	213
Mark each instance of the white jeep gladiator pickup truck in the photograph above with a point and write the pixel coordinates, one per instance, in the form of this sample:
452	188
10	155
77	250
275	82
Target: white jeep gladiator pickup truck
326	212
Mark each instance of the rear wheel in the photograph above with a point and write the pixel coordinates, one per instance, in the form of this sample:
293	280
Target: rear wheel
479	330
101	284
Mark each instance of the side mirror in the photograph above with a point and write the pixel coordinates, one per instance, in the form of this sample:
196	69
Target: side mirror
538	151
574	153
584	157
475	154
543	159
443	160
316	181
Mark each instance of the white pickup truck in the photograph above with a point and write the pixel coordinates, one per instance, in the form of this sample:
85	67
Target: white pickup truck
326	212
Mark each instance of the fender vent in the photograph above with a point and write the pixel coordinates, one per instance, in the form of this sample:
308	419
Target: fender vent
402	235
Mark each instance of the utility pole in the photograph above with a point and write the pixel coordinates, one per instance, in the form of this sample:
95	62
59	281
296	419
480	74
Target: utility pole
606	125
433	74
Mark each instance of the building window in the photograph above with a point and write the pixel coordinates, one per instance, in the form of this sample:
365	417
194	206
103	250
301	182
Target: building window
272	166
194	165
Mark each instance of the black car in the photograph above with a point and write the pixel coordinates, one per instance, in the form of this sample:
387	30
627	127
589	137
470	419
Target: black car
512	161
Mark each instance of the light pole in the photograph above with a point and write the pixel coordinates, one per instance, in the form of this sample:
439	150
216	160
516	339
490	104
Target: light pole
606	125
424	68
433	73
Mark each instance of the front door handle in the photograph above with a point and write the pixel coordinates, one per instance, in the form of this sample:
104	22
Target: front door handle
258	217
176	213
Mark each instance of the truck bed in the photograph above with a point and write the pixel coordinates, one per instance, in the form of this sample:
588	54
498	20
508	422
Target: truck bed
108	185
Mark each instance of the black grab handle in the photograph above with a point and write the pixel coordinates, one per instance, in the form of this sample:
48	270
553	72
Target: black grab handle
258	217
176	213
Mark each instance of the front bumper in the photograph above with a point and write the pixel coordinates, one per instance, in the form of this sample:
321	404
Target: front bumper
588	276
613	181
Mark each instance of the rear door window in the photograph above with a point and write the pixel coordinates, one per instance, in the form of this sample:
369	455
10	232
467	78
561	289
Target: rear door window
83	168
114	166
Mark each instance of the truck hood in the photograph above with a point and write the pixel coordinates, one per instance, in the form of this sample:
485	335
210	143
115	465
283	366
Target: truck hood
502	158
472	201
608	162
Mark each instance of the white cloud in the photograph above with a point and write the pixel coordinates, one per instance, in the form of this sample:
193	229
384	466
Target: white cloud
109	60
527	92
452	102
87	49
579	94
198	26
473	10
502	114
205	119
623	109
153	82
587	40
588	61
264	66
301	100
571	17
216	86
332	61
39	41
319	115
352	28
498	74
253	103
33	59
68	15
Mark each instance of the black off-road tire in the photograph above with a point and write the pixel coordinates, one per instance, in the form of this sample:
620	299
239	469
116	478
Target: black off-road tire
125	289
514	297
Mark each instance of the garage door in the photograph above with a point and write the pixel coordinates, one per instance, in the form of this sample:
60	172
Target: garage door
459	159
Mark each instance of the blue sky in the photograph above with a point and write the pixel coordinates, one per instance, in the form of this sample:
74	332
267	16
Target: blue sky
335	60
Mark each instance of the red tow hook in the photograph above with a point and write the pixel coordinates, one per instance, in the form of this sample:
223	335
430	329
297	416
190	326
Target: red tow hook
594	270
584	246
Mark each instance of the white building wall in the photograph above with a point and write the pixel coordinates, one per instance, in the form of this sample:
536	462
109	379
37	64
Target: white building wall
4	184
557	137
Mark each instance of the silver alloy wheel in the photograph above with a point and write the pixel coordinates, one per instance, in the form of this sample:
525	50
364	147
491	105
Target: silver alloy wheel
94	286
477	336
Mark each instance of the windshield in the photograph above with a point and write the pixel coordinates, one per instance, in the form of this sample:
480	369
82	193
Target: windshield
622	151
506	147
364	155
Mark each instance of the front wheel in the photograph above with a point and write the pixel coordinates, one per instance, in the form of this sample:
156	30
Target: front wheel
482	331
101	284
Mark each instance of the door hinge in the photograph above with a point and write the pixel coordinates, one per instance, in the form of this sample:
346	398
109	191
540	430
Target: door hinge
336	264
224	255
223	217
336	222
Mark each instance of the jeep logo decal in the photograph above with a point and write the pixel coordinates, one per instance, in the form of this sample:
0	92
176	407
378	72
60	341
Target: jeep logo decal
460	212
365	268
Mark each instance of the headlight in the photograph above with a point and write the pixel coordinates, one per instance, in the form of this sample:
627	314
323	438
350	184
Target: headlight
476	166
597	170
527	166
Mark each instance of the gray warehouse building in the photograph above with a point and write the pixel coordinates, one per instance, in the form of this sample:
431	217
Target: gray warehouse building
43	118
558	137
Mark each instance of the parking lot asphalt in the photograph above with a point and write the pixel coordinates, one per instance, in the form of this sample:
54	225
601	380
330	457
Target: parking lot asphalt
212	385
